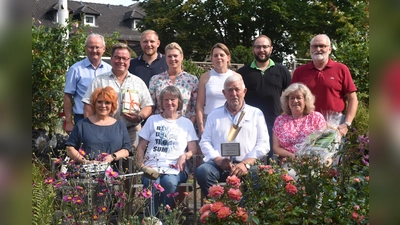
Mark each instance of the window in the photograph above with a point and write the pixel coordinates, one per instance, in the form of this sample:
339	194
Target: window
89	20
135	24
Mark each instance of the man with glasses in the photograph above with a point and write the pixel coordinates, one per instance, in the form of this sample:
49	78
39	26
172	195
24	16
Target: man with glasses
79	77
151	62
329	81
265	81
134	100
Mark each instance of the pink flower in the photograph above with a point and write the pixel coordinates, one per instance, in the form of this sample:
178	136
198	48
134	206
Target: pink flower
95	217
79	188
102	209
100	194
356	207
110	173
58	161
234	181
62	175
158	186
354	215
242	214
204	216
215	191
271	171
356	180
67	198
224	212
216	206
59	184
49	180
235	194
120	194
205	207
287	178
119	205
173	166
186	193
82	152
367	178
146	193
173	195
78	200
168	207
264	167
291	189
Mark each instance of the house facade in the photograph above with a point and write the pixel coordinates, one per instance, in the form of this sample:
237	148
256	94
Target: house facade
104	19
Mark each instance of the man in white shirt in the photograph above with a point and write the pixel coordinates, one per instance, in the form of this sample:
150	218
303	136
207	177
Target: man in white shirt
253	137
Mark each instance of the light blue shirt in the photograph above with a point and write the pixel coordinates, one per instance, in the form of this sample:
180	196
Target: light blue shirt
253	136
79	77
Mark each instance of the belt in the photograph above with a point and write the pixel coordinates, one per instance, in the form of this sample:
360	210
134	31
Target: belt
75	114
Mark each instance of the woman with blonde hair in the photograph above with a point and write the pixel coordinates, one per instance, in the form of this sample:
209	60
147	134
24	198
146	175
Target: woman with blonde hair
211	83
298	121
175	76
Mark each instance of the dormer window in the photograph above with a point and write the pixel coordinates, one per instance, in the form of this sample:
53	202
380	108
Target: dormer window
90	20
136	24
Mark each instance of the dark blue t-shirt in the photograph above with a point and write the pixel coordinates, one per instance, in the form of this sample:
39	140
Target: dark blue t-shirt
97	139
142	69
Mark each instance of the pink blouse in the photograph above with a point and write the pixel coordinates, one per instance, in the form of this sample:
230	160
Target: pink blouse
292	132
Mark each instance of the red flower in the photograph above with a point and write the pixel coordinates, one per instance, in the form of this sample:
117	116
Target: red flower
205	207
234	181
287	178
235	194
215	191
242	214
216	207
204	216
224	212
291	189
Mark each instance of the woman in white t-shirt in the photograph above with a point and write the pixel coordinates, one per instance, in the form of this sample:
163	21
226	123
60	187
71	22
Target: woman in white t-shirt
209	95
166	136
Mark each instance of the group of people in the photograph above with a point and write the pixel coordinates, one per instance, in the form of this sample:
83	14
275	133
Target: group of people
259	107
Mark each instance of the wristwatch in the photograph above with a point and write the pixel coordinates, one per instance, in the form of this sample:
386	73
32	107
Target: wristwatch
247	166
114	156
348	124
140	119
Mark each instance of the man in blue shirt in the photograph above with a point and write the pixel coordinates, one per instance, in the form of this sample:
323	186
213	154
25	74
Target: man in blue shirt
80	76
151	62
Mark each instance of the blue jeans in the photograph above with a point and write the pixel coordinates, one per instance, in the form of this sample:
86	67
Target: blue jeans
170	184
208	174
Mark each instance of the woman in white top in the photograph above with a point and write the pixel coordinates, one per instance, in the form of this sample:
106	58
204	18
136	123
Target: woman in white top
209	95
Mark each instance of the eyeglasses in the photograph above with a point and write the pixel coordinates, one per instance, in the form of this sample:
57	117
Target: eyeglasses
117	58
262	46
92	48
319	46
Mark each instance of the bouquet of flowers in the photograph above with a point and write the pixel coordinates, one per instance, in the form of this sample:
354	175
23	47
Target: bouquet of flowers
323	143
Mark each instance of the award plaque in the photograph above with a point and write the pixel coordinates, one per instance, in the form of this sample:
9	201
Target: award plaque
230	149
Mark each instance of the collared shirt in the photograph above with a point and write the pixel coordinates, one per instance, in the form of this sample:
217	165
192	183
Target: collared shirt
329	85
187	84
253	136
145	71
79	77
132	84
254	66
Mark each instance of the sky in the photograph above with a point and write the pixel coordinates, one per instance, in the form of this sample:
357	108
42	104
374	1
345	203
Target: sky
111	2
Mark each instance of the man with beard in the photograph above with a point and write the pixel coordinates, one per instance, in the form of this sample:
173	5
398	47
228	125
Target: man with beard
150	62
265	81
329	81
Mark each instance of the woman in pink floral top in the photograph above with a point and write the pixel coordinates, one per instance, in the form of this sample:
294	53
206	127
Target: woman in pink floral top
298	121
187	83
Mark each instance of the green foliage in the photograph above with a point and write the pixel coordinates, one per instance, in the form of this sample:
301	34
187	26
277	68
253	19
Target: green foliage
52	54
192	68
361	121
242	54
43	196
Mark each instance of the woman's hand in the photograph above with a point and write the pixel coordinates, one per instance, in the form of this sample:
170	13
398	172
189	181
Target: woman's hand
181	163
